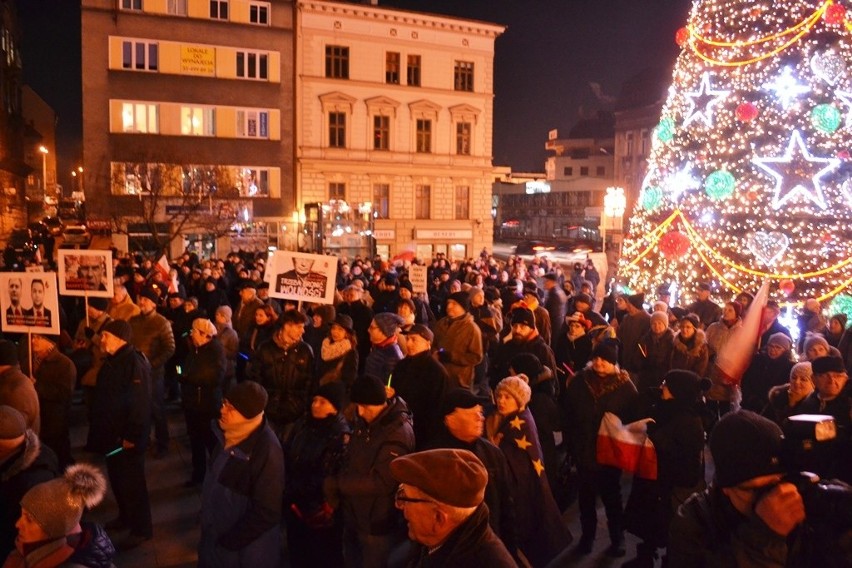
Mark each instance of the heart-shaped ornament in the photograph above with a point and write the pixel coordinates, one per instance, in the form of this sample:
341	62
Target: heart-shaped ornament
828	66
767	247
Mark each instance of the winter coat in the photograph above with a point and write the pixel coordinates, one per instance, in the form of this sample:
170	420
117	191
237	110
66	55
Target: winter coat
55	379
382	360
630	332
658	356
121	402
571	353
762	374
361	316
231	346
243	319
18	391
555	303
342	368
691	356
778	408
366	487
718	334
461	342
203	377
287	375
91	548
422	382
314	450
845	348
152	335
241	503
472	543
587	397
123	310
31	465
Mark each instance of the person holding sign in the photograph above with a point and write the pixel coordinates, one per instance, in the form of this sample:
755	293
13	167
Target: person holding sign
302	280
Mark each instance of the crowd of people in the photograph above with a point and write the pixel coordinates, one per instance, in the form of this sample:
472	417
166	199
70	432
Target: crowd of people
467	416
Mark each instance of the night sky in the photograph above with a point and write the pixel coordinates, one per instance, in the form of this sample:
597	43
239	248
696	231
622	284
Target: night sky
545	62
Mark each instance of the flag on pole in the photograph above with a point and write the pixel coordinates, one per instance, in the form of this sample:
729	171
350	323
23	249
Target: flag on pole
163	267
734	358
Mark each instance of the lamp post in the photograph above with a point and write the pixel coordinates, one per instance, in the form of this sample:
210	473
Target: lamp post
44	153
615	203
80	169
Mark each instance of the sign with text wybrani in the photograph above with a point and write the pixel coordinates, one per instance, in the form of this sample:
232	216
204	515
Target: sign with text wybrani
301	276
85	273
29	302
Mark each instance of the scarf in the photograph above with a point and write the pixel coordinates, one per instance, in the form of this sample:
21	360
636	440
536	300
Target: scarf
389	341
334	349
239	431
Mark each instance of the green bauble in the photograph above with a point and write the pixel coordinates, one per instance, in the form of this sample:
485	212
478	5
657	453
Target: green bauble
651	198
720	185
826	118
665	130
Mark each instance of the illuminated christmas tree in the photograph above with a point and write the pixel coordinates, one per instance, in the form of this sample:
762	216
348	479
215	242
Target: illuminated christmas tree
749	173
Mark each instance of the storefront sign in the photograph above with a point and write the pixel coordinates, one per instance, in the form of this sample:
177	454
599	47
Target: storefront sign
197	60
384	234
444	234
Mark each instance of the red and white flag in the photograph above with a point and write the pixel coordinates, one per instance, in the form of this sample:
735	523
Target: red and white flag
627	446
162	266
734	358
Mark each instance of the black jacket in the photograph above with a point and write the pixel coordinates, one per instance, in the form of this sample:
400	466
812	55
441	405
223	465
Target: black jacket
203	377
421	382
287	375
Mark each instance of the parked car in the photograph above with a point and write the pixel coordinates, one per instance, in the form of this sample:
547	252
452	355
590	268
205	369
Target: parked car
76	235
21	249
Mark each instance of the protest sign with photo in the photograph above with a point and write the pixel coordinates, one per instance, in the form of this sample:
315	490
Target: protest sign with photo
301	276
29	302
85	273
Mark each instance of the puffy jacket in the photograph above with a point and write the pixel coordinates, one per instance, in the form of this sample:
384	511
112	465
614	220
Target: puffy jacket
286	373
203	377
366	486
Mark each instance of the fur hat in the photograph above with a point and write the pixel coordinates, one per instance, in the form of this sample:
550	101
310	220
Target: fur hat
119	328
685	385
781	340
518	387
523	316
8	353
745	445
606	350
57	505
454	477
828	364
462	299
12	423
388	323
368	390
248	398
334	392
100	304
205	326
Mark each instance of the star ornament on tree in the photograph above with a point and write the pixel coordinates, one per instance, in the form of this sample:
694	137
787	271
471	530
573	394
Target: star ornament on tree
846	98
786	87
797	173
701	102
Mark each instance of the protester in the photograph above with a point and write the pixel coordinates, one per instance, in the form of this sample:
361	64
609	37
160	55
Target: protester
690	351
767	369
458	341
786	400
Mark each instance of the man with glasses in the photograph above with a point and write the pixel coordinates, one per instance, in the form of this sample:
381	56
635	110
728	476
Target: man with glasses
441	495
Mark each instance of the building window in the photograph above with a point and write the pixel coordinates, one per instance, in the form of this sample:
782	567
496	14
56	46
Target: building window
392	67
219	9
629	150
197	121
337	191
463	76
140	55
422	201
253	123
177	7
584	170
336	62
600	171
412	72
259	13
584	198
462	202
337	129
381	132
645	142
252	182
568	171
463	134
131	4
381	200
253	65
424	135
139	118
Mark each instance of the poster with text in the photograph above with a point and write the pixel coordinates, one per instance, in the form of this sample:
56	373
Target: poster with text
29	302
418	276
85	273
301	276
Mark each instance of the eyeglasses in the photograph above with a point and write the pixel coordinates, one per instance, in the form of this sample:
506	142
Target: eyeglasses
400	499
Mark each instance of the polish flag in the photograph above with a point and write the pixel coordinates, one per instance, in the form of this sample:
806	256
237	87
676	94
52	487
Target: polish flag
627	446
735	357
162	266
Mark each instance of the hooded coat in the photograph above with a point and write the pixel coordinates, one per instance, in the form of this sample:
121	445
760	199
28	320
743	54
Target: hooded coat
692	355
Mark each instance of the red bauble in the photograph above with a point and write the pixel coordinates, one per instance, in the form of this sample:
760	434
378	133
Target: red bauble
681	37
752	195
746	112
674	244
844	155
787	286
835	14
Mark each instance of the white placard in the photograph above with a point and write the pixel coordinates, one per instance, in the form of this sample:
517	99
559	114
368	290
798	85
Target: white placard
85	273
418	276
301	276
29	302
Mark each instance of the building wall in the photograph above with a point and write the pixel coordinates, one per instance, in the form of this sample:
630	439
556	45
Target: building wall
13	169
370	33
633	130
196	65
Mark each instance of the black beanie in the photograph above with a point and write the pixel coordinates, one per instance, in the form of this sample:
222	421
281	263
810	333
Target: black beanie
334	392
368	390
119	328
527	364
462	299
248	398
459	398
636	300
685	385
745	445
99	303
608	351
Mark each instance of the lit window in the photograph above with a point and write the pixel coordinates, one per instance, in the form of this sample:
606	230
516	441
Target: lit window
219	9
259	13
140	55
463	76
253	123
197	121
252	182
381	200
139	118
253	65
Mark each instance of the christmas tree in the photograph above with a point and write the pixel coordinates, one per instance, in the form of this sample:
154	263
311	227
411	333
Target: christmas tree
749	173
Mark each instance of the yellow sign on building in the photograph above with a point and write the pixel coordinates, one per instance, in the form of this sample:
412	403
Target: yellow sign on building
198	60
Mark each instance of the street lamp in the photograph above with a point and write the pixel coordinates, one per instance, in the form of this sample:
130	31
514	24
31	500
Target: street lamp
615	203
80	169
44	154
